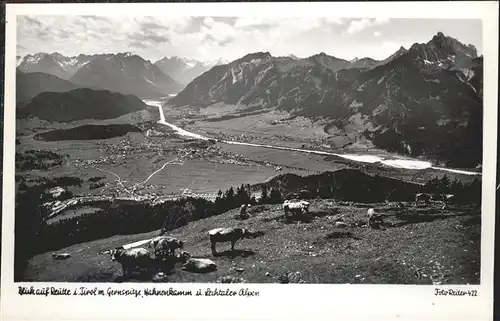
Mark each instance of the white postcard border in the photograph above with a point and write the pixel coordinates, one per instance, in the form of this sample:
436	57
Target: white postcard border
291	302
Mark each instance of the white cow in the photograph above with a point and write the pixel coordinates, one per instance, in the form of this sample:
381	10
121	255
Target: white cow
60	256
199	265
296	206
374	220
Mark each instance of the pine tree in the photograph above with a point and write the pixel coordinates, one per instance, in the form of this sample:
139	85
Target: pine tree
275	196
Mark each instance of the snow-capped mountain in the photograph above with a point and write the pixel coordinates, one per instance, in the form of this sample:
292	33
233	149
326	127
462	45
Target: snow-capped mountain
72	64
55	63
126	73
184	70
423	101
43	62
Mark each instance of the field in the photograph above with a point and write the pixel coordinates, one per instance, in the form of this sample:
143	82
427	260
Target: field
270	127
417	246
424	245
165	165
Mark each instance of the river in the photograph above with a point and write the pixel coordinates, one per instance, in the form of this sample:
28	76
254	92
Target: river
394	161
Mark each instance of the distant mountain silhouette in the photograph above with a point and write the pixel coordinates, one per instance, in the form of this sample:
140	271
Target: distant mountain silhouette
127	74
28	85
80	104
88	132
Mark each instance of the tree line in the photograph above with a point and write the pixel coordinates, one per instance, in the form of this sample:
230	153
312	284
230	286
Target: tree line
33	235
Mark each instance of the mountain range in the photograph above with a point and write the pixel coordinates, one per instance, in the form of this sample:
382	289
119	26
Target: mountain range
128	74
421	101
122	72
55	63
184	70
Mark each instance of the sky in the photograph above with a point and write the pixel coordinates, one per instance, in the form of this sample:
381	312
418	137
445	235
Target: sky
229	38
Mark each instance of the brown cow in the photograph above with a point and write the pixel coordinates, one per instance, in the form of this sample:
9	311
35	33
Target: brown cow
132	258
165	244
232	234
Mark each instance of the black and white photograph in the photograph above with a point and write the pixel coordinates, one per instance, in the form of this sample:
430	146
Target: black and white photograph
248	150
321	155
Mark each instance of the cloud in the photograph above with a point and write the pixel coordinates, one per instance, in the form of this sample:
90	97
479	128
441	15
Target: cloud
334	20
150	37
219	32
359	25
137	44
254	22
30	22
211	38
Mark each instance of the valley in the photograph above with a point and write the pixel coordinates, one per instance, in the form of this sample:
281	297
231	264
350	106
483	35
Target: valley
110	148
164	163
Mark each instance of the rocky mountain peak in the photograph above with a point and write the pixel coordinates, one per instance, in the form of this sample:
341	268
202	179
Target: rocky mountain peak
452	45
256	55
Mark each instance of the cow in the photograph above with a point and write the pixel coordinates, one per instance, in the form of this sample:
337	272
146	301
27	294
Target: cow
165	244
60	256
132	258
374	220
291	196
422	197
449	197
231	234
199	265
296	207
446	199
340	224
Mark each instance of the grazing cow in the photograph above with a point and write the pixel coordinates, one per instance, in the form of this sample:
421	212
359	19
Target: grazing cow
132	258
199	265
60	256
340	224
291	196
296	207
305	194
374	220
423	197
232	234
449	197
165	244
243	209
183	256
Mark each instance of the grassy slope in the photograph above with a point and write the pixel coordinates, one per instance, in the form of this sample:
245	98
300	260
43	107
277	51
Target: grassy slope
441	242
